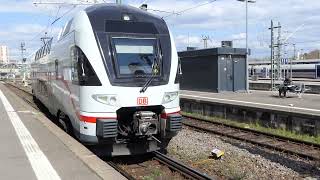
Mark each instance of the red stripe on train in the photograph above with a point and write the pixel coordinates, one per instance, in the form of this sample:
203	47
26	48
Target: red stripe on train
90	119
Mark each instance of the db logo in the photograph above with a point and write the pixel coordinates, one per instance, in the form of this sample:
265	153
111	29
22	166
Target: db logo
142	100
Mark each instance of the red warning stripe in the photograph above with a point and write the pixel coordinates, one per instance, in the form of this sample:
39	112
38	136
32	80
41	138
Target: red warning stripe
90	119
165	115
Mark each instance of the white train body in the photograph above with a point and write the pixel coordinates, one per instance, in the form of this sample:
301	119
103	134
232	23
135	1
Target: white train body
311	71
92	79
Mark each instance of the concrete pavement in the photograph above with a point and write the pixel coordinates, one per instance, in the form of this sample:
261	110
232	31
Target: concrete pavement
32	147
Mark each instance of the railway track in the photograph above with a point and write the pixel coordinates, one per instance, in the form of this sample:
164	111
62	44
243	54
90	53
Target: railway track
174	165
284	144
23	94
179	167
171	168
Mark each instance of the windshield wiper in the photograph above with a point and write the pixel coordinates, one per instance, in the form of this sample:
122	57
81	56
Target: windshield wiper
155	71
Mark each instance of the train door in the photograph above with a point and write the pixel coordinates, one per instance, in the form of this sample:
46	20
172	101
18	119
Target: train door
318	71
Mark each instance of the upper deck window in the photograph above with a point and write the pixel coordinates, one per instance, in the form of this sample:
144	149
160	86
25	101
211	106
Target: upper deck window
131	27
67	29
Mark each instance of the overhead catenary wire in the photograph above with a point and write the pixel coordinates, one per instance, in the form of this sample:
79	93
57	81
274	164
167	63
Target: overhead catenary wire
191	8
43	30
67	12
304	42
62	3
55	18
162	11
50	24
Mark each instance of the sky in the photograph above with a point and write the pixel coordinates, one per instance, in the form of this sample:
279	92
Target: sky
22	21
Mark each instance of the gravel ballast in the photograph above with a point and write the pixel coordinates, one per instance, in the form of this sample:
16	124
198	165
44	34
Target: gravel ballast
241	160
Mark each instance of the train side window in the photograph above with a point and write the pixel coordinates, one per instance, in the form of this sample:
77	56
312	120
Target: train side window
82	72
44	50
41	52
67	29
179	72
74	67
56	68
49	45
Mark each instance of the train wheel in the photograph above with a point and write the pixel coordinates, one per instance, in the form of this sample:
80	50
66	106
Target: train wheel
65	123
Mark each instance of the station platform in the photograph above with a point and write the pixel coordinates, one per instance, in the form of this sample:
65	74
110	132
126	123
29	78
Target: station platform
35	148
307	104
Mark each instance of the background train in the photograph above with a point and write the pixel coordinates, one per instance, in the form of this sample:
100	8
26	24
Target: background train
112	79
310	71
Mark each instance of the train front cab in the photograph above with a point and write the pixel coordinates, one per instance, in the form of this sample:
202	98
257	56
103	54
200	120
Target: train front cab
136	107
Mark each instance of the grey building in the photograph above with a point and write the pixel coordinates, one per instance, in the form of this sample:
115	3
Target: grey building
213	70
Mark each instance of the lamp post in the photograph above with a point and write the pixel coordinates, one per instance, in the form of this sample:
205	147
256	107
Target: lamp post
247	53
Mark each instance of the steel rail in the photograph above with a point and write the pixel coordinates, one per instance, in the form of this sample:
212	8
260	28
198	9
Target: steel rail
180	167
121	170
256	131
30	102
301	148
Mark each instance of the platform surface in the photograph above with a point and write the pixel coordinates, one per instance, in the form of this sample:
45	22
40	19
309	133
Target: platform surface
308	103
29	150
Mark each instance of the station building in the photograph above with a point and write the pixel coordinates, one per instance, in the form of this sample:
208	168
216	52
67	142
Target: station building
214	69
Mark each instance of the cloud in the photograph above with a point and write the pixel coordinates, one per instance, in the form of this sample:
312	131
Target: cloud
225	20
27	33
221	20
29	6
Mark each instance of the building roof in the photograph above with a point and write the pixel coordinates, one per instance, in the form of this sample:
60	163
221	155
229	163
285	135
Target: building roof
213	52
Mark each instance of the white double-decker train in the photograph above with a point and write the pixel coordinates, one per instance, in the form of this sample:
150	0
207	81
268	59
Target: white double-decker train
112	79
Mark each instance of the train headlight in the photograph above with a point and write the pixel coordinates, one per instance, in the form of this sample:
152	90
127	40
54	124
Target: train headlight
126	17
106	99
169	96
113	101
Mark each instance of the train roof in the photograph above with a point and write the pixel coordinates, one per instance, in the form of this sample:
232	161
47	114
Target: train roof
102	14
112	10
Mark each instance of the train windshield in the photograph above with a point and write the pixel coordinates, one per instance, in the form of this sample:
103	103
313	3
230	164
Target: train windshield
134	56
